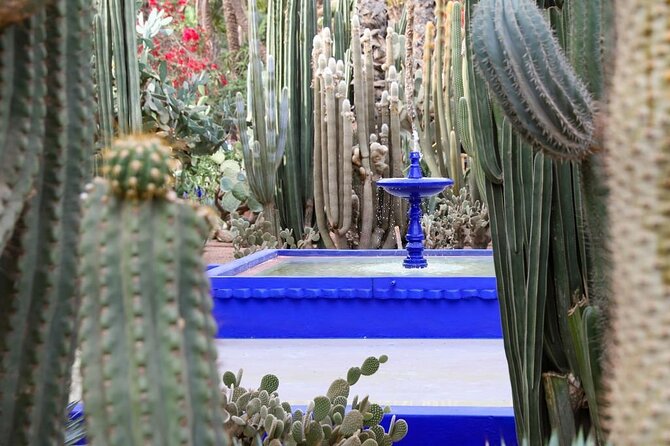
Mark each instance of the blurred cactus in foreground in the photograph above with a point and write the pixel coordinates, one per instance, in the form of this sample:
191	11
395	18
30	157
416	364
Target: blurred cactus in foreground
148	355
46	134
638	142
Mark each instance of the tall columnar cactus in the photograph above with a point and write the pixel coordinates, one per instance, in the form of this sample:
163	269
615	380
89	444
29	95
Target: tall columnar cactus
264	152
44	62
117	69
291	29
638	143
148	354
547	217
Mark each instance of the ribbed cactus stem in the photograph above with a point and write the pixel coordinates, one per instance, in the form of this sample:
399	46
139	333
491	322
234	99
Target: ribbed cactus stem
441	127
638	142
426	140
360	97
332	211
347	149
528	74
22	69
50	65
369	71
148	355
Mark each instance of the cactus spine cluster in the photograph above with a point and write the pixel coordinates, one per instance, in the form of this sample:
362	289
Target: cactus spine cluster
44	62
530	77
148	355
638	143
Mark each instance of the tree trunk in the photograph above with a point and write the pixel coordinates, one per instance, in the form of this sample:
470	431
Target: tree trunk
232	33
424	12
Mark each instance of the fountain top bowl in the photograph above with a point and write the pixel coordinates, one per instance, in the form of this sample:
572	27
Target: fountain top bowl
414	187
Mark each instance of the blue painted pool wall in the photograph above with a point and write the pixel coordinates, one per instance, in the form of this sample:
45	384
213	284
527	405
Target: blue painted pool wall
456	426
352	307
439	426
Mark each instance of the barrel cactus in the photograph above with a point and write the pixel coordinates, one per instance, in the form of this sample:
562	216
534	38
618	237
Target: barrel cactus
148	355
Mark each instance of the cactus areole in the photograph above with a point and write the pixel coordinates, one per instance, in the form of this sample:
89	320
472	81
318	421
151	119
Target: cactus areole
414	188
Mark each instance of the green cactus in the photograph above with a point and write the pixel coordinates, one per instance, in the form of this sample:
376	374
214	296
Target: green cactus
117	69
559	223
529	75
254	413
148	355
637	140
43	61
291	26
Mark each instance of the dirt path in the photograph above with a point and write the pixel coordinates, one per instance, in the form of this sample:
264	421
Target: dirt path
218	252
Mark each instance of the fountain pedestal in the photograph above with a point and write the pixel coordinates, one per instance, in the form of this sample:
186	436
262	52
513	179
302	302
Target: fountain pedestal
414	188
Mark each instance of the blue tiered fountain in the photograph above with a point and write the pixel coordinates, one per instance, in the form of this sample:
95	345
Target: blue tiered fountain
414	188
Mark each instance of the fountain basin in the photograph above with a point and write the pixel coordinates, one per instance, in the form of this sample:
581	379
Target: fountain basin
304	294
409	187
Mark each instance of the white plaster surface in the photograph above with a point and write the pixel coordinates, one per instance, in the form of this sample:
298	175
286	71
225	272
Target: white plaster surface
419	372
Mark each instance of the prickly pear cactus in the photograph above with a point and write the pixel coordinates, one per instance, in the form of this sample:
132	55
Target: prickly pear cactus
638	142
255	413
148	356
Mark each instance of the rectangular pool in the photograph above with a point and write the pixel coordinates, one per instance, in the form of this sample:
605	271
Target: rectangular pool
356	294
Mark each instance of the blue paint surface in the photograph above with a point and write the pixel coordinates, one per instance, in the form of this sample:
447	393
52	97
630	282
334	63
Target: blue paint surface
352	307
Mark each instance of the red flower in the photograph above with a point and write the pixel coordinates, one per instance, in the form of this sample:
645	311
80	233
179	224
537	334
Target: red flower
190	35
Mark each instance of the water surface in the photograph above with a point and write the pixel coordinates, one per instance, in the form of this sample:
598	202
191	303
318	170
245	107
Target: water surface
438	266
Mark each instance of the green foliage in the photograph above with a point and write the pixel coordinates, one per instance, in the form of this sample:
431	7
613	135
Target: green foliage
217	181
457	222
257	413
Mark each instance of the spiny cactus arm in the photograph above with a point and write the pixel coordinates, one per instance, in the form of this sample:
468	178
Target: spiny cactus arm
250	153
638	142
307	31
319	204
126	68
455	161
359	90
103	65
528	74
331	120
22	107
283	125
441	128
347	149
480	113
37	289
268	161
369	71
426	137
585	42
147	349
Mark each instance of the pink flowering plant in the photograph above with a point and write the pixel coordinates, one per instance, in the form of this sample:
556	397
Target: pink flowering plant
181	85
